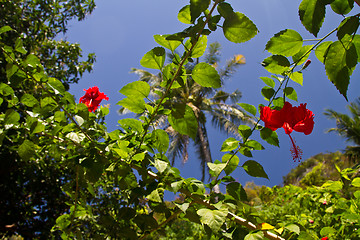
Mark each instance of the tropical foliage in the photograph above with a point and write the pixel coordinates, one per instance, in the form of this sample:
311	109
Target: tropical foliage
65	176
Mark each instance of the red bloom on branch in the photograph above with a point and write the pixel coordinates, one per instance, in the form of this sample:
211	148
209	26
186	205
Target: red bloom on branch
325	238
93	98
291	118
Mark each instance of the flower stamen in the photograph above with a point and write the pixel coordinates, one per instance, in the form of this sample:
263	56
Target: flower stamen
295	150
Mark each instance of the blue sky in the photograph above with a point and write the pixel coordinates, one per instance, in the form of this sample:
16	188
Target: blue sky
121	32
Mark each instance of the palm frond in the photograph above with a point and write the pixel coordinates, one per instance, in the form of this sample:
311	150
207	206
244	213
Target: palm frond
178	146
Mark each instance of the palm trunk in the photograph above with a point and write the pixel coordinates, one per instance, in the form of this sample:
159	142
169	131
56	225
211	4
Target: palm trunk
207	154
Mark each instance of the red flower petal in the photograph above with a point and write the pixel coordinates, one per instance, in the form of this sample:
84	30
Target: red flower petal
93	98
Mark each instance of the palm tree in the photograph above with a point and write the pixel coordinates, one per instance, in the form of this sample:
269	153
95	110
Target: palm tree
348	127
205	102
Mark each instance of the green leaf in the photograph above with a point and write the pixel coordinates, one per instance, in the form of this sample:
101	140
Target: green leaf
290	93
348	27
244	131
26	150
197	7
297	77
19	47
184	15
327	231
11	69
216	168
356	182
229	144
137	89
56	85
37	127
5	29
237	191
199	48
342	7
161	140
29	100
76	137
254	169
339	65
160	165
254	236
185	123
11	117
267	92
269	136
32	61
233	162
183	207
293	228
302	55
136	105
255	145
131	123
48	104
169	44
206	75
6	90
321	50
154	59
312	14
154	196
238	28
225	9
277	64
268	81
139	156
333	185
212	218
249	108
286	42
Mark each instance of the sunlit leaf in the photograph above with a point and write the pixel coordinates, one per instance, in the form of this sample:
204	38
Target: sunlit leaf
229	144
320	51
239	28
293	228
286	42
212	218
161	140
233	162
26	149
161	39
270	136
268	81
199	48
185	124
297	77
184	15
135	105
290	93
244	131
249	108
300	57
154	59
206	75
216	168
276	64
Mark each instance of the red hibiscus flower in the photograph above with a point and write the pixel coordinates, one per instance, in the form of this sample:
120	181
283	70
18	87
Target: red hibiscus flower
298	119
325	238
93	98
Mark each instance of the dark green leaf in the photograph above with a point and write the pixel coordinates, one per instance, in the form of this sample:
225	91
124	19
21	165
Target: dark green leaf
312	14
348	27
249	108
269	136
277	64
26	150
244	131
286	42
154	59
6	90
206	75
237	191
233	163
254	169
238	28
342	7
225	9
197	7
186	124
339	65
290	93
229	144
11	69
267	92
